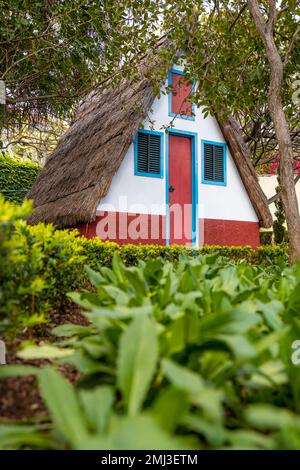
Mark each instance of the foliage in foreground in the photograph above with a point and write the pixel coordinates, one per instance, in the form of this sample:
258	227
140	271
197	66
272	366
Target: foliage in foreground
40	265
194	355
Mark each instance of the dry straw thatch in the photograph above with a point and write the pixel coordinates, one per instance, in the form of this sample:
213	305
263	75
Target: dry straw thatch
80	170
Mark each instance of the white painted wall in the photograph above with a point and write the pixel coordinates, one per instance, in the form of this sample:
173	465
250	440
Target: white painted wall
268	185
138	194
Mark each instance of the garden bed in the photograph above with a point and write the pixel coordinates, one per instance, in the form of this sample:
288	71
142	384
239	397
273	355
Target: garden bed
19	396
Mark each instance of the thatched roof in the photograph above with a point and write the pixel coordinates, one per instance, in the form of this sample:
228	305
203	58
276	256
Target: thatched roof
80	170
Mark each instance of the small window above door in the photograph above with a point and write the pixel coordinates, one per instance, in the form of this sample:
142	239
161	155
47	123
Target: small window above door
181	89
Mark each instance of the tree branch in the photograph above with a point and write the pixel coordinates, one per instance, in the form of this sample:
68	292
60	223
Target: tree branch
271	16
257	16
238	16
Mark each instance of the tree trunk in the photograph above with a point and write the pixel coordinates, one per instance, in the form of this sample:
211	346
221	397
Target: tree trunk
288	192
283	135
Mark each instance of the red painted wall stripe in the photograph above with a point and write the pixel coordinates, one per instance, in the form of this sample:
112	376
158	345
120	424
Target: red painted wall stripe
124	228
230	232
121	227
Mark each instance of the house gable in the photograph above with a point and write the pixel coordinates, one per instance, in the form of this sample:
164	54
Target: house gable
225	201
93	165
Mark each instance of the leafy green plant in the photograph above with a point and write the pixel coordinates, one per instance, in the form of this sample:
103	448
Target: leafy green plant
17	281
194	354
38	266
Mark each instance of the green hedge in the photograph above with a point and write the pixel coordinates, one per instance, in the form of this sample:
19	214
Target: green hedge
98	252
16	178
38	266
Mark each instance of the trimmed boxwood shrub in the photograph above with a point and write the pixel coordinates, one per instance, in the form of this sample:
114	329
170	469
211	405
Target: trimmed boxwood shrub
16	178
38	266
98	252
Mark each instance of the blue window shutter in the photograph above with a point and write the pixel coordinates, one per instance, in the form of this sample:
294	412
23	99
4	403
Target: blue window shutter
149	153
214	170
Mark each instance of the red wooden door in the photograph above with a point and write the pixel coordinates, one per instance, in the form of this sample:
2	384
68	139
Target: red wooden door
180	190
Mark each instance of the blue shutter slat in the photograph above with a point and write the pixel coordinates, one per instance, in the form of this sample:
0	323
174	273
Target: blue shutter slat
142	152
219	163
154	154
208	162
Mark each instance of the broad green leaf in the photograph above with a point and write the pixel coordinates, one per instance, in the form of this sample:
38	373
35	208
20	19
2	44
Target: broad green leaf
269	374
137	361
213	432
267	417
271	312
116	294
94	346
236	321
46	351
81	299
182	377
271	341
97	404
63	405
169	407
70	329
136	433
18	370
208	398
137	283
239	345
118	312
94	276
86	364
228	280
118	268
249	440
13	437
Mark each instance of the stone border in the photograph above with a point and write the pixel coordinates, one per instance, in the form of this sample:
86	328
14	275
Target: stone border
2	353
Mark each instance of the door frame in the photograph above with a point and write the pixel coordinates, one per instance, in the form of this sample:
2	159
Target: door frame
194	183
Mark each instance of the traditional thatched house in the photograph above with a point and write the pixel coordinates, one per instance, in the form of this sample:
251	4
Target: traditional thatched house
118	174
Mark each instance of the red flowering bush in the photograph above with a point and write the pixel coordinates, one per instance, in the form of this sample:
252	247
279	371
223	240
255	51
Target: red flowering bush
271	168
